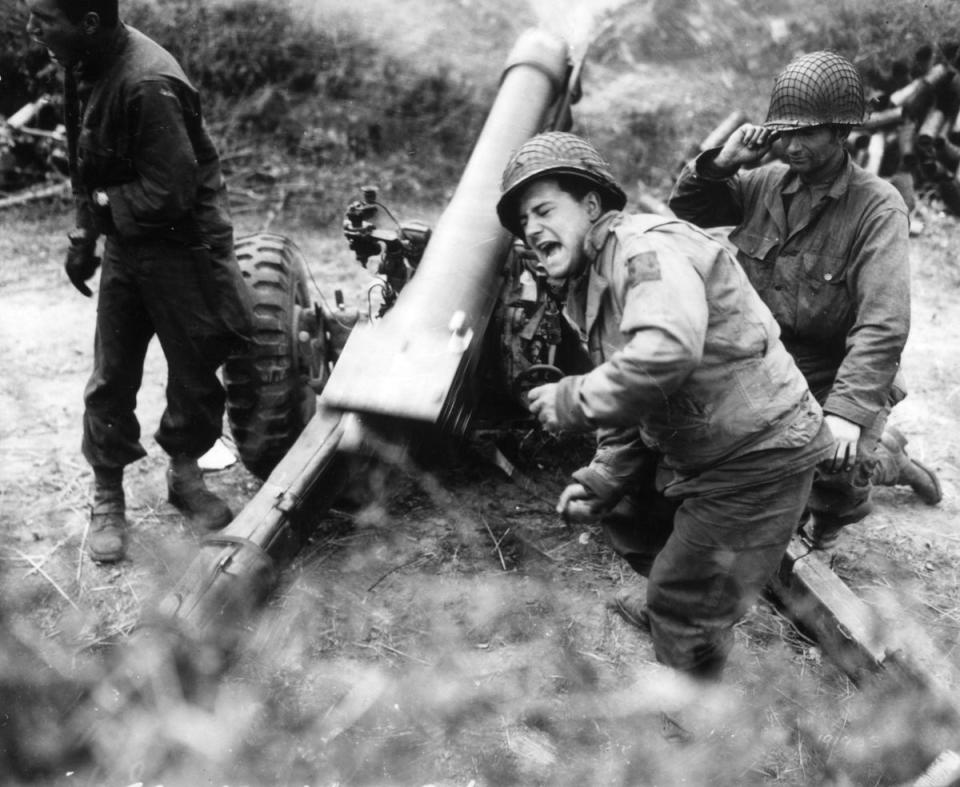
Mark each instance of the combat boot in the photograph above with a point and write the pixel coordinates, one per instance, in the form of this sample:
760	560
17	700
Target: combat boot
107	536
899	469
188	492
631	605
819	534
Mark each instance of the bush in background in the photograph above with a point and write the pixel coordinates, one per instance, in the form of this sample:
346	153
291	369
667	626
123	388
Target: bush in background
875	33
296	93
331	96
231	50
25	69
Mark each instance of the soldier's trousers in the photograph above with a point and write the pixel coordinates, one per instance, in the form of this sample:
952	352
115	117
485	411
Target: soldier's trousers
708	545
153	289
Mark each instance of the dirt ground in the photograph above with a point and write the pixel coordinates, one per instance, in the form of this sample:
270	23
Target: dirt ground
451	630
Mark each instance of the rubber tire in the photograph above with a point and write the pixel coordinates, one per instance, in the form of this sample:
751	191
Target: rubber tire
268	399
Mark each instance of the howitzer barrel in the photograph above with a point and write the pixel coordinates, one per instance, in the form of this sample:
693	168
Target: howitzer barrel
412	364
234	568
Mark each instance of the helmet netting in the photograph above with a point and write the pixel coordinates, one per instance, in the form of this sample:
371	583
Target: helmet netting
816	89
554	152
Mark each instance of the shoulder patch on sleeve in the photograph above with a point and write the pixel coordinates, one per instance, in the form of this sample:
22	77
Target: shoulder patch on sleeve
643	266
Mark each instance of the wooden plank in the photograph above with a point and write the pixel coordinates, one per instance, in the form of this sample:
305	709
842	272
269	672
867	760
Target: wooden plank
819	602
866	638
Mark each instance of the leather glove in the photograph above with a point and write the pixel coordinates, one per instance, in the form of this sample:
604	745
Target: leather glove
82	261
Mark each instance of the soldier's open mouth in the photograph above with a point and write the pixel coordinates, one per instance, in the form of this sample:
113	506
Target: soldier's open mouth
548	249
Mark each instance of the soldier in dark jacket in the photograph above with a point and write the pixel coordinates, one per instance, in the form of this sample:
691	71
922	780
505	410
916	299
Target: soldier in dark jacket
825	244
146	178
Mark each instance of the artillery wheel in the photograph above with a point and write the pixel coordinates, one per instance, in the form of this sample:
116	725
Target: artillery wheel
268	399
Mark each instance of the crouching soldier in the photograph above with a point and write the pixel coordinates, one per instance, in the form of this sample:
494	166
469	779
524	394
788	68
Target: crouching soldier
707	433
825	243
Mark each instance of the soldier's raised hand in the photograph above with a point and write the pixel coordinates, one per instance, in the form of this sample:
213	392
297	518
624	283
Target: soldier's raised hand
747	145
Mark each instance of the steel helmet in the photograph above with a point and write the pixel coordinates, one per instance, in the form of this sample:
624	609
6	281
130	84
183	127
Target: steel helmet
816	89
554	153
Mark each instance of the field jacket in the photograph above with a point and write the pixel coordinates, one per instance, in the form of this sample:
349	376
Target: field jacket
142	140
688	359
838	284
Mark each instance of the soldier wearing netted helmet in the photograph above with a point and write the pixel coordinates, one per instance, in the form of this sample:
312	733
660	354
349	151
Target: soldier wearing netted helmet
825	244
818	89
707	433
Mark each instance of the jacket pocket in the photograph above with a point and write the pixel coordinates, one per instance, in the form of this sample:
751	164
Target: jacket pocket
753	252
824	307
100	164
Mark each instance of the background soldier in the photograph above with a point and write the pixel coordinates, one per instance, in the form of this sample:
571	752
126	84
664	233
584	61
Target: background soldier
146	177
825	244
707	433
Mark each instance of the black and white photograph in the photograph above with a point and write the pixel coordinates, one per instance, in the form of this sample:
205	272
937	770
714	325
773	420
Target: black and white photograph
472	393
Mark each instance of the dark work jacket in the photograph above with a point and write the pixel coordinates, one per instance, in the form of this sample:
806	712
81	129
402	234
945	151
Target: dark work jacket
838	284
142	139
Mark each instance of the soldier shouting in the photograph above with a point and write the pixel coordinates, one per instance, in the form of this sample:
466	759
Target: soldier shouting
707	433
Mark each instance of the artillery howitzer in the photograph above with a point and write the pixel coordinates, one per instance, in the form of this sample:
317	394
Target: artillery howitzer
465	326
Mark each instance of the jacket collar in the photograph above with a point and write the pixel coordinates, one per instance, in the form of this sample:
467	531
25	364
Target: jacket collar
93	65
585	293
597	236
791	184
838	187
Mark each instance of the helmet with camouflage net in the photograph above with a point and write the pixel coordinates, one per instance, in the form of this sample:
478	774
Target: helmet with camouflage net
554	153
816	89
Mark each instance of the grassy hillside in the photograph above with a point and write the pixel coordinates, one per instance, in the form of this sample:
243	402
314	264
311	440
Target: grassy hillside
397	89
